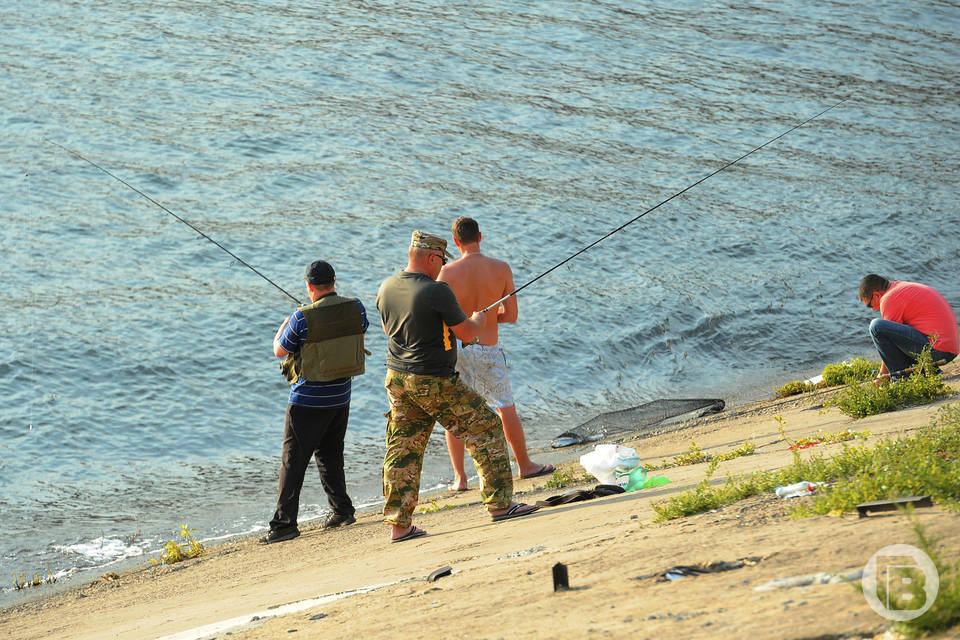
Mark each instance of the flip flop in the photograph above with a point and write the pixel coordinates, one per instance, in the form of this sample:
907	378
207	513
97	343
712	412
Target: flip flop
517	511
607	490
575	495
542	471
415	532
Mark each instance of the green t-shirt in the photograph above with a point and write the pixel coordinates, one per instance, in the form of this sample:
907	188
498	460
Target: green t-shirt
417	313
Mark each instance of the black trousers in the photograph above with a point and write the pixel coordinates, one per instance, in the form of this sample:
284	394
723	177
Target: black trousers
310	432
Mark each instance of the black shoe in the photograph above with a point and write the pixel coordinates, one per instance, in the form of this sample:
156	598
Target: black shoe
338	520
279	535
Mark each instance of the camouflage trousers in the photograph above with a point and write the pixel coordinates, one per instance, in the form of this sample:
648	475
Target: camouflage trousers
416	403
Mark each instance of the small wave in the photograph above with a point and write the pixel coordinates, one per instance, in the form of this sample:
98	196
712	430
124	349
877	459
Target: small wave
102	551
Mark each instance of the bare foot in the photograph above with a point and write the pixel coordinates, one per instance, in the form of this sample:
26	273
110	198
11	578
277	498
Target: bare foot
399	534
535	470
459	483
515	510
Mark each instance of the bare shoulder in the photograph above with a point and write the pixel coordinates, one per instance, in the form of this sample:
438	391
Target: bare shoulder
454	275
499	265
452	271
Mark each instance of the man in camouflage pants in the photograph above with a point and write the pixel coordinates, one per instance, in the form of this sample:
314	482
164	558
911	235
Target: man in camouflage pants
422	319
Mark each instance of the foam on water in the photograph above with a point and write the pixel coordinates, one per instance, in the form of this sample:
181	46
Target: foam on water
102	552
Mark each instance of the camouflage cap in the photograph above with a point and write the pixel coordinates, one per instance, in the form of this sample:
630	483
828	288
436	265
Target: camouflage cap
424	240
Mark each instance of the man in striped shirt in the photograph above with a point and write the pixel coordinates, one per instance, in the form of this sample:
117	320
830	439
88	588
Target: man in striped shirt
323	346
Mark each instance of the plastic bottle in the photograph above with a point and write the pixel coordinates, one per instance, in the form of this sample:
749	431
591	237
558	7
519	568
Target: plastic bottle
797	489
636	478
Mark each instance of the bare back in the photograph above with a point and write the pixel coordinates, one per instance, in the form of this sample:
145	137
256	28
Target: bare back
478	281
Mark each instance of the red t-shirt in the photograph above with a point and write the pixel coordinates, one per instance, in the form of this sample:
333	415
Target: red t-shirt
924	309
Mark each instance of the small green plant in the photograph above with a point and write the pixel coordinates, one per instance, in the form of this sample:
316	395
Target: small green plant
561	479
693	455
177	550
434	506
746	449
794	388
945	610
701	498
924	385
842	436
781	423
834	374
849	372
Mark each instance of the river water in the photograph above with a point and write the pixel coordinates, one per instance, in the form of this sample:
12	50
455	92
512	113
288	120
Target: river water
139	391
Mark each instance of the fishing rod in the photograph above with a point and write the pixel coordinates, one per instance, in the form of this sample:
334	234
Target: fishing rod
658	205
127	184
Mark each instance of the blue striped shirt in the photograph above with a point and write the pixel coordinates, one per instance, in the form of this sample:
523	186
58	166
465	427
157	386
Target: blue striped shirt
321	395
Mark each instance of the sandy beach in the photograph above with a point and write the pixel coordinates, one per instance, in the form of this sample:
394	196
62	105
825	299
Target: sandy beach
352	583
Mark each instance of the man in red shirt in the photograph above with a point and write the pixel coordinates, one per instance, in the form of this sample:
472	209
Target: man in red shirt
912	316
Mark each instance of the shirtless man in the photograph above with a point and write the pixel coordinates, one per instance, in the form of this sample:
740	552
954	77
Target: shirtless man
478	281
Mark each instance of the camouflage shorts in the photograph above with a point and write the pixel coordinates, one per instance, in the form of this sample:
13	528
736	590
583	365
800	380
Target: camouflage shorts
416	403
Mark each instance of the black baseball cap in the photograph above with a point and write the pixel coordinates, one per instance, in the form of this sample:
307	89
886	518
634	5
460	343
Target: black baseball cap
319	272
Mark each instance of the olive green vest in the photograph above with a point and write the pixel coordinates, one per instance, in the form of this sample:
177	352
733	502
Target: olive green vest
334	345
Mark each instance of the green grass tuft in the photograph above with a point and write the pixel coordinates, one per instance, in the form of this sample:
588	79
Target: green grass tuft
695	455
434	507
924	385
746	449
561	479
849	372
834	374
178	550
794	388
926	463
944	613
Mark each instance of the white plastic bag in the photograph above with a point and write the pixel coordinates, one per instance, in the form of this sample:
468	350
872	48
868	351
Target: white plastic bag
610	463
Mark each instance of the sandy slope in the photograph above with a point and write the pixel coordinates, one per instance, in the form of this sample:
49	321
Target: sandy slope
501	585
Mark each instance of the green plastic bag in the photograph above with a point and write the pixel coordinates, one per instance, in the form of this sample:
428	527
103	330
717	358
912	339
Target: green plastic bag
640	480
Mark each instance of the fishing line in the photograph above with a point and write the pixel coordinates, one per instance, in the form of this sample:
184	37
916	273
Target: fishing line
659	204
127	184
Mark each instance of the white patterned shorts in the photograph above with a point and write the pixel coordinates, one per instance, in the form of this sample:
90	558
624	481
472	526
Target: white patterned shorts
483	368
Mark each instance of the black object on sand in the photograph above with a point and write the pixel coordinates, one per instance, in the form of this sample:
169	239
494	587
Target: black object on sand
560	582
864	509
439	573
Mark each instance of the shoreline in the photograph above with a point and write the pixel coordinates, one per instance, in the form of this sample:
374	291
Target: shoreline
10	597
243	582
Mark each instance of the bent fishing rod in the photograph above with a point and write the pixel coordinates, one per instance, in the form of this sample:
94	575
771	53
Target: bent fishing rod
130	186
658	205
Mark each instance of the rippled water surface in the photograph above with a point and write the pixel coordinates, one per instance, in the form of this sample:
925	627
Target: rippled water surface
139	388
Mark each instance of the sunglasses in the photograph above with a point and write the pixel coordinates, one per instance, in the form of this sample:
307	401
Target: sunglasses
443	258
